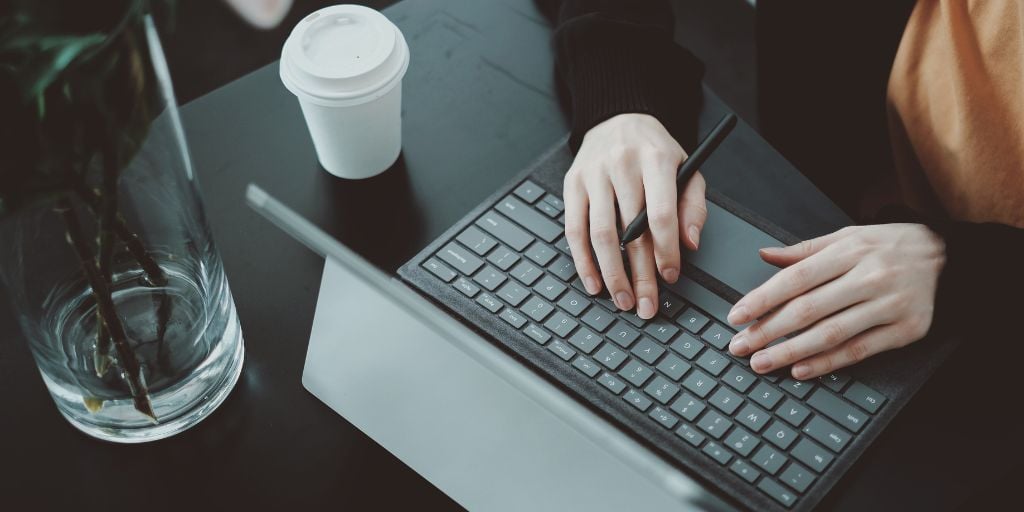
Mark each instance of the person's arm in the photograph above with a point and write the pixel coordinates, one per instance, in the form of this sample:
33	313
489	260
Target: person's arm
633	97
617	57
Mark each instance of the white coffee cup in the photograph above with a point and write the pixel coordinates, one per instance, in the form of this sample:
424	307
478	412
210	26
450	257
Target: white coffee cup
345	64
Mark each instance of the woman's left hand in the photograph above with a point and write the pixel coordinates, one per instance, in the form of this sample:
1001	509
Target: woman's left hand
856	292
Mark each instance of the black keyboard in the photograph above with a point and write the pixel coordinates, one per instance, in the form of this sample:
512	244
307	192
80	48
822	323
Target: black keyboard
772	432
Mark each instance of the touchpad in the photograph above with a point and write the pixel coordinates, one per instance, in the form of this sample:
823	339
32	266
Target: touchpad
728	251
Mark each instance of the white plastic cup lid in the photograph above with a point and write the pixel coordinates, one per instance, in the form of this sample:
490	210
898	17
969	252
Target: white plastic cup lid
343	55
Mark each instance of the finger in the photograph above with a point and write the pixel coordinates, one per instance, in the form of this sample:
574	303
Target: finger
786	256
693	211
639	252
662	216
605	238
798	313
793	281
856	349
823	336
577	234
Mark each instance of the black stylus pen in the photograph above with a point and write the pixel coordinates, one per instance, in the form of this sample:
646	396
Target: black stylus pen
686	170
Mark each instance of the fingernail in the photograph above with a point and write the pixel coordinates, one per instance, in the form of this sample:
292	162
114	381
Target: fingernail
694	235
590	284
801	371
770	250
738	315
761	362
670	275
624	301
738	345
646	308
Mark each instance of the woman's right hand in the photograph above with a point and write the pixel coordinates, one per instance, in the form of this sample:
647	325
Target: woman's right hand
624	163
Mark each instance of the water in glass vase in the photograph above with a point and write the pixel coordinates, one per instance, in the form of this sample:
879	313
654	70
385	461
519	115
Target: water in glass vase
185	335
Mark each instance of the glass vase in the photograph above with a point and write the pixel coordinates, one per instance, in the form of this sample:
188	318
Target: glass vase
117	285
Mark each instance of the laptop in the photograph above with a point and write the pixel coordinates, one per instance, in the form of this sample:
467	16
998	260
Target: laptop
490	371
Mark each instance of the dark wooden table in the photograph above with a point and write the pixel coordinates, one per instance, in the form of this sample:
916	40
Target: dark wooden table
479	104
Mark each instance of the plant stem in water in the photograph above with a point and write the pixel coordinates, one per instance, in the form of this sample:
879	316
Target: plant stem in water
105	304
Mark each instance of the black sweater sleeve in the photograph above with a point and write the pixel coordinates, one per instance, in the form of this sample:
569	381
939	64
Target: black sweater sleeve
617	57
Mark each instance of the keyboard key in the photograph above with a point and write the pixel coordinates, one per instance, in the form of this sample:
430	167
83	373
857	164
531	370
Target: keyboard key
779	493
586	366
687	346
726	400
513	294
631	317
692	320
540	253
489	278
636	373
585	340
745	471
779	434
700	383
827	433
597	318
865	397
661	329
492	304
561	350
662	416
526	273
647	350
793	412
537	334
613	383
765	395
812	454
637	400
477	241
835	381
690	435
610	356
669	304
714	424
537	308
661	390
549	288
529	192
555	202
713	362
753	417
742	441
673	367
563	268
513	317
574	303
503	229
739	379
717	452
563	245
460	258
838	410
623	334
530	219
769	459
439	269
797	477
503	258
467	288
687	406
798	388
717	336
547	209
560	324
